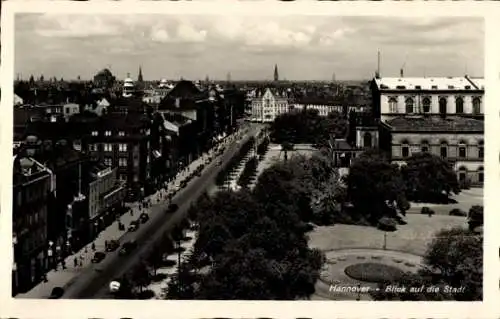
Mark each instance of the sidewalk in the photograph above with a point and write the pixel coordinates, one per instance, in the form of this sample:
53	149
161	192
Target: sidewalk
63	277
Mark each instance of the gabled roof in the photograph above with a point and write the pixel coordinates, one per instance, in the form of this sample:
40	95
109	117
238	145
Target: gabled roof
184	90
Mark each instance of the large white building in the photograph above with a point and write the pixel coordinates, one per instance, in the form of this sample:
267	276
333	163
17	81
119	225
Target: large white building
443	116
268	103
432	96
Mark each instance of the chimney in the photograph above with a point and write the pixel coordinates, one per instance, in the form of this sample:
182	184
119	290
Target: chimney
401	74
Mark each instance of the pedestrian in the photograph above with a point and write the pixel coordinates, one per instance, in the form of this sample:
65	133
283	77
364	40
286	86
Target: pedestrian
85	249
93	246
75	262
44	276
81	260
63	264
106	243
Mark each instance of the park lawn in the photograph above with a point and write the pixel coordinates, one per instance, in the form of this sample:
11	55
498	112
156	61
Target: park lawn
411	238
465	200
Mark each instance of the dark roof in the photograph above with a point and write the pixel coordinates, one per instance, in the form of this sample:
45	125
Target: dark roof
184	90
23	115
436	124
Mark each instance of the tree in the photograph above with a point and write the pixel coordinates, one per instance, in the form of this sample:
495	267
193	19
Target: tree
456	255
286	147
373	185
475	217
328	129
140	276
428	177
155	258
184	284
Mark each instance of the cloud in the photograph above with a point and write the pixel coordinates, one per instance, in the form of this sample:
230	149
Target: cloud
160	35
187	33
246	46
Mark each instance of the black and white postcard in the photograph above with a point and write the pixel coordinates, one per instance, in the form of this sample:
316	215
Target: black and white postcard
330	159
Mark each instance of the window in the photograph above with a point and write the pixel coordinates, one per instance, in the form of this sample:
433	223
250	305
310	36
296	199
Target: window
393	105
93	147
444	150
95	133
459	105
108	161
122	162
442	106
480	149
462	174
148	132
426	103
66	110
476	106
409	105
121	133
425	146
480	175
107	133
122	147
462	150
108	147
405	150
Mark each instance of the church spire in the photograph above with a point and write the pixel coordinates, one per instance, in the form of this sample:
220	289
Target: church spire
139	77
276	75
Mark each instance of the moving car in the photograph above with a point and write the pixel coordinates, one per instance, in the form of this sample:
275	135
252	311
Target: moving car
112	245
172	208
134	225
98	257
143	218
57	292
127	247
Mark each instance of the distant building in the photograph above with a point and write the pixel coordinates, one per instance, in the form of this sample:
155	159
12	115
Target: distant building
33	183
104	79
128	87
269	103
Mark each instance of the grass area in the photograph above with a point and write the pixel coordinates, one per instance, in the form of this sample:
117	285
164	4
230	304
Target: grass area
412	238
465	200
374	272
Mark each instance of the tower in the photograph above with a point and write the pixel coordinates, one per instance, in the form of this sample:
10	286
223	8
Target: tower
377	73
139	77
276	75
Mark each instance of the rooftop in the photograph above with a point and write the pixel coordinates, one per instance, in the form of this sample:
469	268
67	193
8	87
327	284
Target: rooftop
432	83
436	124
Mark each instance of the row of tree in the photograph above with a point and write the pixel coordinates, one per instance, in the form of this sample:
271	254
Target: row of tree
234	161
248	172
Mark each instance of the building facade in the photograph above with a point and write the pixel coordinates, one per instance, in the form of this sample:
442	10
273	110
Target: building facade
459	96
106	196
33	184
460	141
268	103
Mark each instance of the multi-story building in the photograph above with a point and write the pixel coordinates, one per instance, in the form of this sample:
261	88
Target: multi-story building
461	96
269	103
443	116
106	196
33	183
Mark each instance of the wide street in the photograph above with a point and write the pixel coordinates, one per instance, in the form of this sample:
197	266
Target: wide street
93	283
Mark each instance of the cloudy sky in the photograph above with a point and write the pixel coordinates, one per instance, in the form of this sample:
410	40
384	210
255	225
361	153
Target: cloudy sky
192	47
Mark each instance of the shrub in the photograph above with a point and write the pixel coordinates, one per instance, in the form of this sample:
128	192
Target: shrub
374	272
427	211
457	212
387	224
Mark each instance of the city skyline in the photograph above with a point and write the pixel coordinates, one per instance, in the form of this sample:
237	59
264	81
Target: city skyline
196	46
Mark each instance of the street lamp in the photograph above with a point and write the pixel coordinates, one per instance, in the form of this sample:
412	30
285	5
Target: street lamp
385	240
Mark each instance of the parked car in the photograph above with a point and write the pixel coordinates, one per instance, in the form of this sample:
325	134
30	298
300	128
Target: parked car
127	247
98	257
143	218
57	292
172	208
112	245
134	225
